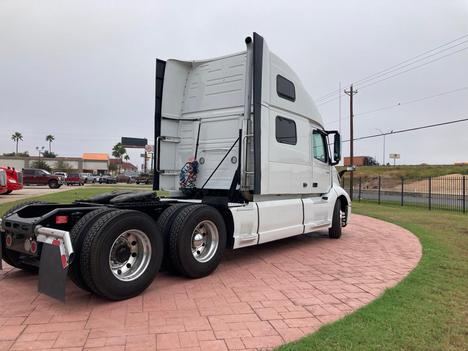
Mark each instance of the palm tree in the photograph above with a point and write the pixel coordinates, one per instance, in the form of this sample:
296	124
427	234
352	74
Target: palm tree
50	138
126	157
118	151
16	137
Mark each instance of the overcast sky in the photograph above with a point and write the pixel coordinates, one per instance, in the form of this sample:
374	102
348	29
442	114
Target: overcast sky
84	70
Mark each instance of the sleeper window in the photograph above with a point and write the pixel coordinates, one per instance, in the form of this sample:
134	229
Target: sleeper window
319	146
286	131
285	88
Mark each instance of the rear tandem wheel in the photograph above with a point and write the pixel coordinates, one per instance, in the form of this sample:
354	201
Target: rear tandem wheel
197	240
77	235
121	254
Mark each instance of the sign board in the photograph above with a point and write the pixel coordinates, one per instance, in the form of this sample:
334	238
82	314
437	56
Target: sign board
395	156
135	143
149	148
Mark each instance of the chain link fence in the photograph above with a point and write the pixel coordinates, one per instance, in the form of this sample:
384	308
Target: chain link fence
445	192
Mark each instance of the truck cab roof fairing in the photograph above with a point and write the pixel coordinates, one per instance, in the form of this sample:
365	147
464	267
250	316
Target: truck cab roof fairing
204	92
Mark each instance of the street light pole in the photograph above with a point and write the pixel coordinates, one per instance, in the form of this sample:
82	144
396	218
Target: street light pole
383	154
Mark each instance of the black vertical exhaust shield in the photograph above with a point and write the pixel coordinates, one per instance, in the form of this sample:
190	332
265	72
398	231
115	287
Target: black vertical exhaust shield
52	275
257	109
160	70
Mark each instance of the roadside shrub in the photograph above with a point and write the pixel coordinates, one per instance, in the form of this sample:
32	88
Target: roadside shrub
41	165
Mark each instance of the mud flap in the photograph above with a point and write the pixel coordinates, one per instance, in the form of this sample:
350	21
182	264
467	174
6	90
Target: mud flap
52	272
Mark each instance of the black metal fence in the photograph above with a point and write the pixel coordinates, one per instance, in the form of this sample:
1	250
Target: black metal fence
445	192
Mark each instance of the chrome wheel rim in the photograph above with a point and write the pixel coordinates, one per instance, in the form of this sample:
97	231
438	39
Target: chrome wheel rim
205	241
130	255
342	217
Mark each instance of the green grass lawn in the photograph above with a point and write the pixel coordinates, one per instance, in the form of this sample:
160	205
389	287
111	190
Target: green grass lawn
426	311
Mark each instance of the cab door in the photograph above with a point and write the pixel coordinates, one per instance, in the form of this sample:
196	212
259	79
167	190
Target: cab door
316	205
321	174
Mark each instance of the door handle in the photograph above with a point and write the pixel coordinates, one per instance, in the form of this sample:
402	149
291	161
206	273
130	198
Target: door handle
304	185
315	185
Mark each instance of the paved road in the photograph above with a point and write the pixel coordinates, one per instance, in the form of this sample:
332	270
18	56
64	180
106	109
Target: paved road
30	191
258	298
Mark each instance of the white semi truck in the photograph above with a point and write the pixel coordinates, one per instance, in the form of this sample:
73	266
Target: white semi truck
242	157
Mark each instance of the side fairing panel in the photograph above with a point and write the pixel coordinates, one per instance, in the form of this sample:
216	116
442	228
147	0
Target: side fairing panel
279	219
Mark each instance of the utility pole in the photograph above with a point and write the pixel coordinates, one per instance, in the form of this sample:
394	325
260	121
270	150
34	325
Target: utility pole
351	92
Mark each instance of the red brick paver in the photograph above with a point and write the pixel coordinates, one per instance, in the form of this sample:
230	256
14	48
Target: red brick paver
258	298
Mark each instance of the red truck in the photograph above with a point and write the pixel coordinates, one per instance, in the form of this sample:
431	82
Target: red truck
33	176
74	179
14	179
3	182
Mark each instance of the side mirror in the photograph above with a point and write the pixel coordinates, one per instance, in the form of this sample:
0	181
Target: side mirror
337	149
336	146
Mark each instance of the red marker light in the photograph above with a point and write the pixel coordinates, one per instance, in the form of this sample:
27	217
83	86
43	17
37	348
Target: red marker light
61	219
33	247
8	240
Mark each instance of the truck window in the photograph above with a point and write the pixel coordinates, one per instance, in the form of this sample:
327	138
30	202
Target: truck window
285	88
319	146
286	131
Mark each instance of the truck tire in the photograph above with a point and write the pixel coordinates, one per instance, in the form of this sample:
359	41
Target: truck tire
53	184
163	225
121	254
335	231
197	240
11	257
7	192
77	235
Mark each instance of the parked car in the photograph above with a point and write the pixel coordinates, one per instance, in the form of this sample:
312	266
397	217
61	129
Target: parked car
33	176
87	177
124	178
62	175
144	179
74	179
92	178
127	177
107	179
14	179
3	182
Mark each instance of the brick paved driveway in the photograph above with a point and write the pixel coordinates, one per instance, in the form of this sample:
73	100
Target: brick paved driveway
259	297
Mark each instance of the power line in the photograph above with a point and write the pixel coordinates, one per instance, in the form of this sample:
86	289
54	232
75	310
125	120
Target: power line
419	57
412	68
405	103
328	97
328	101
410	129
